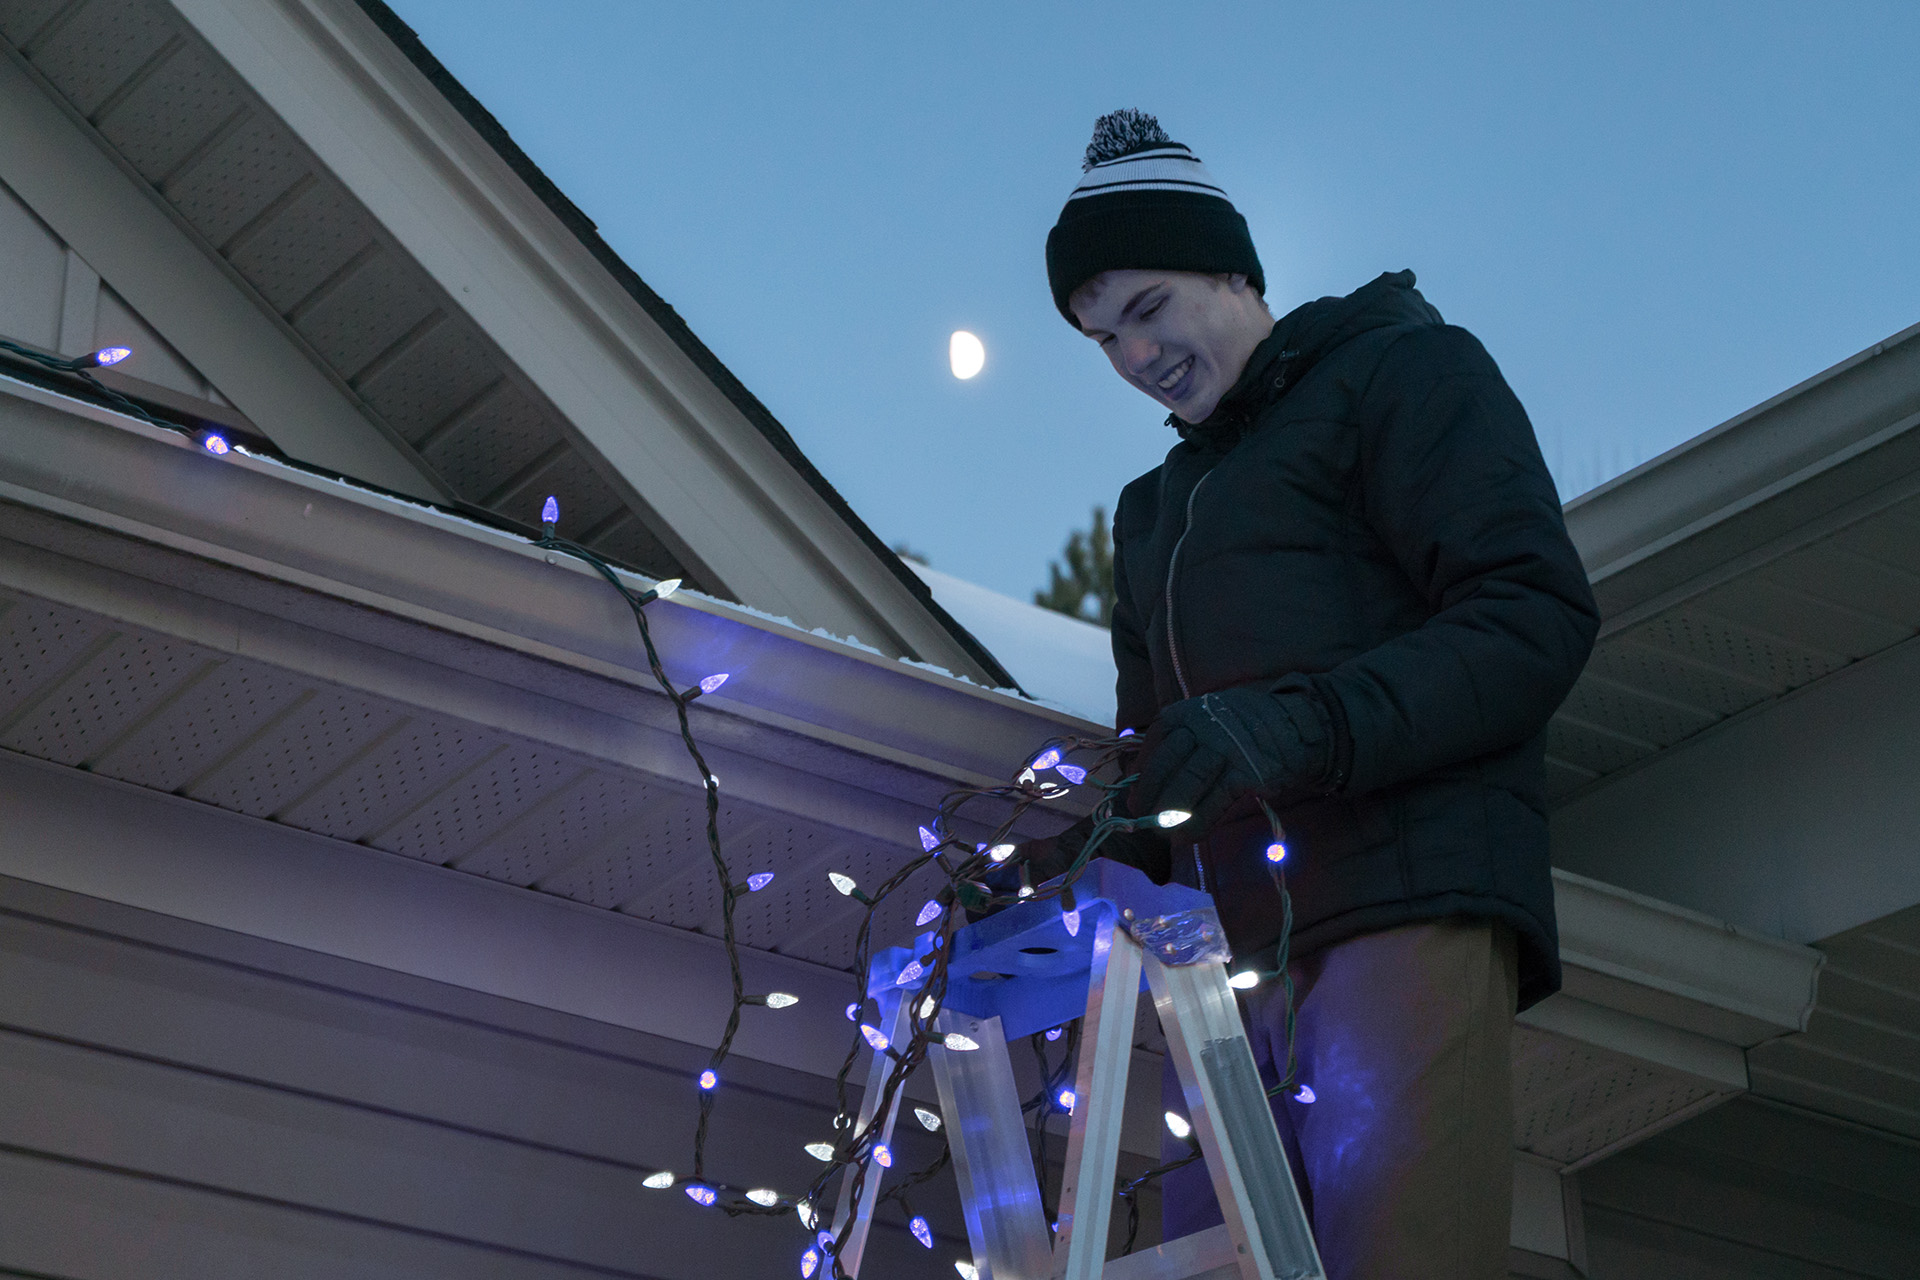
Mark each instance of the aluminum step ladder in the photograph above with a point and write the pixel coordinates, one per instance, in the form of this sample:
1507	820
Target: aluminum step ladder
1033	967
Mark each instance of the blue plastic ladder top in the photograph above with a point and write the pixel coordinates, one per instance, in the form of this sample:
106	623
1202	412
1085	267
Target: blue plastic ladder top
1026	967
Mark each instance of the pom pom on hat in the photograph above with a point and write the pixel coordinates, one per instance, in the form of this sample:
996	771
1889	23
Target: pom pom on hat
1121	133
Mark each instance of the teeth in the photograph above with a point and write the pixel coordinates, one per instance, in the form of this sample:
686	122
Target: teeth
1174	375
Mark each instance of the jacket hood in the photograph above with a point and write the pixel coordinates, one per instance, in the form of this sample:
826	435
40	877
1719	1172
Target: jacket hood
1301	339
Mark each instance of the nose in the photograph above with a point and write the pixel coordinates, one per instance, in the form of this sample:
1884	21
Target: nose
1140	355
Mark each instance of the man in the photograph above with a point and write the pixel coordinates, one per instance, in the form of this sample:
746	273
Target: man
1347	595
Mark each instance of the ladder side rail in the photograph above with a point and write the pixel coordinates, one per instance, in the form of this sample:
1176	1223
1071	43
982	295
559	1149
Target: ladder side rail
1100	1102
1230	1113
894	1023
992	1163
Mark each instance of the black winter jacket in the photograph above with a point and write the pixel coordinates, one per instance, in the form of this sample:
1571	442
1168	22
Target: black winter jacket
1367	508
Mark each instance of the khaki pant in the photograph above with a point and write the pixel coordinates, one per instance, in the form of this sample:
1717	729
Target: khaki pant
1404	1158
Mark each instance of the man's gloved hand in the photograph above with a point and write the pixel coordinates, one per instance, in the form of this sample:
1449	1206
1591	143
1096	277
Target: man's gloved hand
1203	754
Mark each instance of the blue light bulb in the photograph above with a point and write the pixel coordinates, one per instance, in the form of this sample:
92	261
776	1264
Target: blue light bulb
758	881
928	840
1045	760
875	1037
1071	919
1066	1099
928	914
713	682
111	355
1276	852
702	1194
921	1232
1055	1033
1126	733
910	975
550	511
708	1080
215	443
809	1263
1072	773
1304	1093
883	1156
853	1011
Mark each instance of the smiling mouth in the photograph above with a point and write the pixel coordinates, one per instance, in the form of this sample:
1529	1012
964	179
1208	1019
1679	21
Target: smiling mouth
1174	375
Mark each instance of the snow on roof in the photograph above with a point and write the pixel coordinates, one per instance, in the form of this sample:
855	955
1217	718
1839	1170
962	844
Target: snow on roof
1057	659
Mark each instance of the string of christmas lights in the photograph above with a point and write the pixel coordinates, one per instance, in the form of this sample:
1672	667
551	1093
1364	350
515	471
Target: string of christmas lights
980	877
82	367
975	879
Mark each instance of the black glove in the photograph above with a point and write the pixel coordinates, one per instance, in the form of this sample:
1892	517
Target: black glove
1205	753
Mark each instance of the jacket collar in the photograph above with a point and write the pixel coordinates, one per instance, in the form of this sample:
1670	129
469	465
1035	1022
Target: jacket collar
1298	342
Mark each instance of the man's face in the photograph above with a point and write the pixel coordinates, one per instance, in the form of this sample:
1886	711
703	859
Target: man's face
1181	337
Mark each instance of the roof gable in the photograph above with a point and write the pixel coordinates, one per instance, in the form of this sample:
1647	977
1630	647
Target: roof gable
340	239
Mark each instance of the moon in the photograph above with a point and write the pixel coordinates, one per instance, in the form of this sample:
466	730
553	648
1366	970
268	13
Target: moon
966	354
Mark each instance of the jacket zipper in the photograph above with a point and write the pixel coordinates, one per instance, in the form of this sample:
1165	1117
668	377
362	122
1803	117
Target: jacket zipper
1173	561
1173	644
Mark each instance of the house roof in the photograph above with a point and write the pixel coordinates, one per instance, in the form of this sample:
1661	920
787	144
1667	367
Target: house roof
301	202
1752	561
751	407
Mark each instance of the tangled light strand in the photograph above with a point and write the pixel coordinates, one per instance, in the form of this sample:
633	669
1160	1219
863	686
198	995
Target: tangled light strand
966	869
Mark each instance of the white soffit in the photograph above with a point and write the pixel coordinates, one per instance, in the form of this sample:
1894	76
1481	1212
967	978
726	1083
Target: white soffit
1659	1009
293	649
1760	558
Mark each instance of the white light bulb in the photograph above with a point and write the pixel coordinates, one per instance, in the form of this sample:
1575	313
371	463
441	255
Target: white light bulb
781	1000
658	1181
1026	891
666	587
1171	817
928	1120
843	883
927	1008
959	1043
805	1210
967	1270
822	1151
1245	980
966	353
1177	1125
763	1196
1001	852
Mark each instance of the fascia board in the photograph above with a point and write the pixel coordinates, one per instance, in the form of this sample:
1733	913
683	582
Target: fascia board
1680	968
139	247
454	205
1837	438
410	576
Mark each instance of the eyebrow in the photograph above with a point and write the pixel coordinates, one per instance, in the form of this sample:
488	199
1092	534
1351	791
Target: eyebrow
1127	311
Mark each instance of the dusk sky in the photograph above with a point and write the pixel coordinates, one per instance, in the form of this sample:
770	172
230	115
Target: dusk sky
1654	215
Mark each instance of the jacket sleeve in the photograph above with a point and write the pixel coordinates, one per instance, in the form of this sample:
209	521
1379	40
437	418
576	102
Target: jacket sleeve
1455	487
1135	703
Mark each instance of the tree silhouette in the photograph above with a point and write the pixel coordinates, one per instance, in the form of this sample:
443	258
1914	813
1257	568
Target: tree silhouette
1084	588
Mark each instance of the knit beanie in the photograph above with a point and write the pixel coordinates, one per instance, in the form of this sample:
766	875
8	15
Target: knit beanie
1145	202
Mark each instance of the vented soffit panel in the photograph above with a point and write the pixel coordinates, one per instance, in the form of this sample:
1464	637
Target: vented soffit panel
245	192
1773	552
289	647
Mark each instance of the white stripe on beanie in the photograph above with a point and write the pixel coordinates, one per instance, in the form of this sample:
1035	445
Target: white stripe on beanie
1170	167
